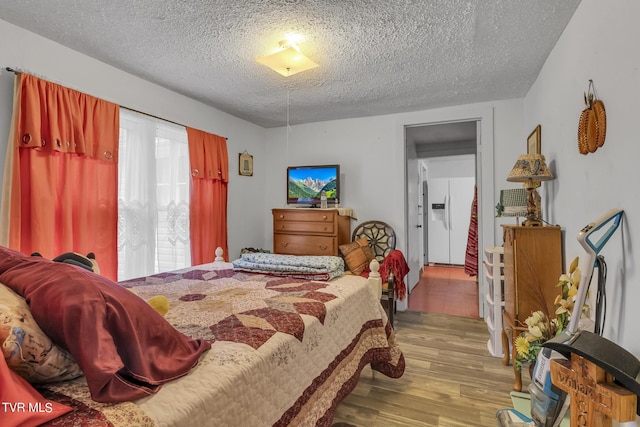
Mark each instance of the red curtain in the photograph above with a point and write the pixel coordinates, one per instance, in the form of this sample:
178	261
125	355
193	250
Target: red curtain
64	177
208	211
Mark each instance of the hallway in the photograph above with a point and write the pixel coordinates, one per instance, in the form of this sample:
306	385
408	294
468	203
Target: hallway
446	290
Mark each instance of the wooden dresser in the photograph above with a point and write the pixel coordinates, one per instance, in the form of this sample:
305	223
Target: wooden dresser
532	268
309	231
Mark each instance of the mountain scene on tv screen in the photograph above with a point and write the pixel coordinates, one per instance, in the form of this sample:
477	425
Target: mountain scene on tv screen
310	188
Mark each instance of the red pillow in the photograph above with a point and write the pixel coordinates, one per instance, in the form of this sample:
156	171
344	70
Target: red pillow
125	349
21	405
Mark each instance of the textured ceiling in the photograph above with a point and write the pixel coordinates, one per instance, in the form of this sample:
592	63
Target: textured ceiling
375	56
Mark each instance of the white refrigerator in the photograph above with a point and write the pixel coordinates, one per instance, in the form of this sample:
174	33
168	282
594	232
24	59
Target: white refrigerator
448	218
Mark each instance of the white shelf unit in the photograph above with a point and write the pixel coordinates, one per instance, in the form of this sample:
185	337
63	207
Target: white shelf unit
494	275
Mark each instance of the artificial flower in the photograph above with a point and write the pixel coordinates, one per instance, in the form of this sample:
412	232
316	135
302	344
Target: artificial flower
522	346
536	331
574	265
535	318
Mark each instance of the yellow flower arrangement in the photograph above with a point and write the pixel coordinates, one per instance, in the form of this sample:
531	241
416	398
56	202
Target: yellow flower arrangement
539	328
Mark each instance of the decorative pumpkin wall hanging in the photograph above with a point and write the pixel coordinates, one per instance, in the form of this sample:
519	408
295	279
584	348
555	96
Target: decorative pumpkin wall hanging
592	128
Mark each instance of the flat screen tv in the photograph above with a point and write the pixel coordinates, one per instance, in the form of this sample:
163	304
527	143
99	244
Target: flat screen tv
305	184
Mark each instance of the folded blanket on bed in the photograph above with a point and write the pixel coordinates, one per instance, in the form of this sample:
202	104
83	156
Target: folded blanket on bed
296	266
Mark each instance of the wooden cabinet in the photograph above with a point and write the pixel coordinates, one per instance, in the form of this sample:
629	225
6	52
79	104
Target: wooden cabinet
309	231
532	268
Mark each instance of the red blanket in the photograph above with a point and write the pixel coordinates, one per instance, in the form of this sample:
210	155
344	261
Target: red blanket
125	348
396	263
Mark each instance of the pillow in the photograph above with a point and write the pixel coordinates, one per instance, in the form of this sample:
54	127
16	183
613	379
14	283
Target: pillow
124	347
26	349
357	255
22	405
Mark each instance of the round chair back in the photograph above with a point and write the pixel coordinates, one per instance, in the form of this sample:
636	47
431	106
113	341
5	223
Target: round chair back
382	238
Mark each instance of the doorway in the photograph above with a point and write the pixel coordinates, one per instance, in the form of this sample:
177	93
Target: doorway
444	155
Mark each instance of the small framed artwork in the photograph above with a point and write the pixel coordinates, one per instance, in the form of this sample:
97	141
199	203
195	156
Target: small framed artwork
533	141
245	164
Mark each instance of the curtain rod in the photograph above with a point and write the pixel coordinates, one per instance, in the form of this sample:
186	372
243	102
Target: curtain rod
11	70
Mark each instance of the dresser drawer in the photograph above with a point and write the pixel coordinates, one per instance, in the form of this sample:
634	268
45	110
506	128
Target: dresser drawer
309	231
283	226
313	215
308	245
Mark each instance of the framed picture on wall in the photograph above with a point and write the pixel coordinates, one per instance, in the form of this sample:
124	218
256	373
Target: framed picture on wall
533	141
245	164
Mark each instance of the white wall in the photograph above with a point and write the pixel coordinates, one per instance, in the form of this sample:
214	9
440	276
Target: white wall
46	59
451	166
359	146
600	43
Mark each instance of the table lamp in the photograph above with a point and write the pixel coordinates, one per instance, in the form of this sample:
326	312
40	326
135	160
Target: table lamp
531	169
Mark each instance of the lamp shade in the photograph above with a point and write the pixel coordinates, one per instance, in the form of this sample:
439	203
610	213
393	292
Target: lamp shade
530	167
287	61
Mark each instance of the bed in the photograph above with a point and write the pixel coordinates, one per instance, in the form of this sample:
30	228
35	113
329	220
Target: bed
271	349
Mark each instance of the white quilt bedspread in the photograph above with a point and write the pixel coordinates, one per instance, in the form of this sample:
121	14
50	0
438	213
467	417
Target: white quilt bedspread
284	351
235	385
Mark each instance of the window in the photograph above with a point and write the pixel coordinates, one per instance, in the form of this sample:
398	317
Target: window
153	196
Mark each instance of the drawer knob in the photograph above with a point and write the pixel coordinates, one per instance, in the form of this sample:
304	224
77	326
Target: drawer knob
324	217
281	216
282	227
283	244
323	247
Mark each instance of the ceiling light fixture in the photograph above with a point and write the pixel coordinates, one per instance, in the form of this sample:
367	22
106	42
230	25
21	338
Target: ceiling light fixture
288	60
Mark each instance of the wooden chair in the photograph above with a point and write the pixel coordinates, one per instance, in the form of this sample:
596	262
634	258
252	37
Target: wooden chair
382	240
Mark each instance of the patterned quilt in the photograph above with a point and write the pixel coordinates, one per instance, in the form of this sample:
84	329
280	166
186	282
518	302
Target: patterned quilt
285	351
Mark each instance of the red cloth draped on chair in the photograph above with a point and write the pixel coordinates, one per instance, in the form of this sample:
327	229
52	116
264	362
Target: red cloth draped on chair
471	258
208	211
61	179
395	262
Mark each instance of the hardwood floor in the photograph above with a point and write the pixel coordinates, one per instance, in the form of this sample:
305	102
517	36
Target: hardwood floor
450	378
445	290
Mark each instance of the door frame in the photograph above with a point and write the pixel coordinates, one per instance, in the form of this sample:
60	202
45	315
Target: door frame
425	209
483	115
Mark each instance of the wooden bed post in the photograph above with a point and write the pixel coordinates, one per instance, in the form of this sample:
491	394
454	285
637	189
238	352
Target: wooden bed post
219	262
219	253
375	281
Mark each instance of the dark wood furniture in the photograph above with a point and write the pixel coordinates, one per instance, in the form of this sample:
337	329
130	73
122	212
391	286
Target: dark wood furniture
309	231
532	268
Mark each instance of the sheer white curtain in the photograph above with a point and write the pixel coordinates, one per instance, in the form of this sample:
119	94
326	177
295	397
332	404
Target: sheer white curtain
153	196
